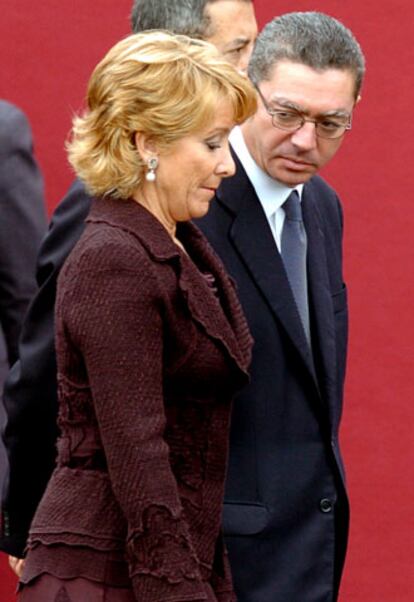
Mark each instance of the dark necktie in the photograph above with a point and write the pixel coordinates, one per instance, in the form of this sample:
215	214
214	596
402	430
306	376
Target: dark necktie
294	246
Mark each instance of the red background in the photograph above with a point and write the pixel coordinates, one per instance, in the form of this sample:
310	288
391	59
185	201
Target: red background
47	51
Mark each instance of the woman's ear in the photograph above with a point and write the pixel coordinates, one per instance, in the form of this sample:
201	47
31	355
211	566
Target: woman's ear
146	146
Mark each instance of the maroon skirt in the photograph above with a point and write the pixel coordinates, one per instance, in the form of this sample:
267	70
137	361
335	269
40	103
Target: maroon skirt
47	588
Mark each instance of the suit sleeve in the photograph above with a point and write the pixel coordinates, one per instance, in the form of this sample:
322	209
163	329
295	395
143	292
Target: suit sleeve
115	317
30	394
22	220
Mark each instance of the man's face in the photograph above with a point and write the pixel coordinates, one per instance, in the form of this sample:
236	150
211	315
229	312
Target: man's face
233	30
294	157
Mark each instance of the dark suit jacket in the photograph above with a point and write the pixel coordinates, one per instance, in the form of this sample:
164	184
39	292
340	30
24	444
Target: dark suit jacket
22	222
30	393
22	226
286	510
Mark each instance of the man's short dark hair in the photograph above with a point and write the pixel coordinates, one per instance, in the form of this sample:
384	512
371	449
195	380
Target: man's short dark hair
178	16
311	38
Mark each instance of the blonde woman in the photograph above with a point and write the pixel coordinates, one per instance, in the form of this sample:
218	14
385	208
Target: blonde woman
151	341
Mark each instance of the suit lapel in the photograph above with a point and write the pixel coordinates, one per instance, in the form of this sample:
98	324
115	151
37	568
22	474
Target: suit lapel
320	296
251	236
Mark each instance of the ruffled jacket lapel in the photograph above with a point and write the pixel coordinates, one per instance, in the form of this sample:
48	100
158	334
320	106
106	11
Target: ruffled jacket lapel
221	316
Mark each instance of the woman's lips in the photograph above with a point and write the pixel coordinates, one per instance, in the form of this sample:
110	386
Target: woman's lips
211	190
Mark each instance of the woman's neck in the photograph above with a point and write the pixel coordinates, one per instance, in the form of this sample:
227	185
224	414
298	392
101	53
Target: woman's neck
153	206
151	203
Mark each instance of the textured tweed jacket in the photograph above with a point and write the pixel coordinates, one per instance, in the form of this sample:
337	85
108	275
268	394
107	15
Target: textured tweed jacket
152	346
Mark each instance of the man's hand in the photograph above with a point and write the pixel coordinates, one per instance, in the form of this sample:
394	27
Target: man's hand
16	564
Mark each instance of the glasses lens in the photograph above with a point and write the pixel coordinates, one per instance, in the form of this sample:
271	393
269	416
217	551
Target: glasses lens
330	129
287	120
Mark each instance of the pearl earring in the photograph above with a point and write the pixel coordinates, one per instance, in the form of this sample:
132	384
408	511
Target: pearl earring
152	165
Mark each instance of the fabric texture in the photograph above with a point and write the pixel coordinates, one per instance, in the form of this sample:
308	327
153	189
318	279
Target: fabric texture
51	589
149	359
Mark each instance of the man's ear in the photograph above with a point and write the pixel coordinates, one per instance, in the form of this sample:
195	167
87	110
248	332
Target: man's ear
146	146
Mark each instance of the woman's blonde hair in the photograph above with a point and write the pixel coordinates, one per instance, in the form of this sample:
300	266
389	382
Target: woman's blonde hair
163	85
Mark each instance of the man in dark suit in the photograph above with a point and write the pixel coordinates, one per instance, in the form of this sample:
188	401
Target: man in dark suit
22	225
31	389
286	508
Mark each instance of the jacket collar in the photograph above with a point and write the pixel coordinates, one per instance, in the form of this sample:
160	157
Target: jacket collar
232	332
132	217
251	236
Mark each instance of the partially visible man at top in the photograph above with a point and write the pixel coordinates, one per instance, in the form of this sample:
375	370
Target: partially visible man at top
277	226
228	24
31	390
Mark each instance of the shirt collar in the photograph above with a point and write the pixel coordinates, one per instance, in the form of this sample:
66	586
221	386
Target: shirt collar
271	193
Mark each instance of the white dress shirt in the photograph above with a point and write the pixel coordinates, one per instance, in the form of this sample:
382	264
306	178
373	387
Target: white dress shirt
271	193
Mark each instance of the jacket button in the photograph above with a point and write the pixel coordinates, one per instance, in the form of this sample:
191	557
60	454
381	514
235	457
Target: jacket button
5	525
325	505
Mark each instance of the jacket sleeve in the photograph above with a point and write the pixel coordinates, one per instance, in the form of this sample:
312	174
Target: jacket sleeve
116	319
30	394
22	219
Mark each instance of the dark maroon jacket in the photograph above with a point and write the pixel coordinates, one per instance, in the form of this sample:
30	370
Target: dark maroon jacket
151	347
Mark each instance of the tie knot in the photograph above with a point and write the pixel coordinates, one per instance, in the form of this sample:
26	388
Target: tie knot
292	207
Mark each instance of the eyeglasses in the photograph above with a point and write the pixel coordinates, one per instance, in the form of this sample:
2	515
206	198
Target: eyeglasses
291	121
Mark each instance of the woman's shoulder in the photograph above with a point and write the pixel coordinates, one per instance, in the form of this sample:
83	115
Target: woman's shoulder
103	246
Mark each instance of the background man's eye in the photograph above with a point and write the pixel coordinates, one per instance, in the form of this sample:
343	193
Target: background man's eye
234	51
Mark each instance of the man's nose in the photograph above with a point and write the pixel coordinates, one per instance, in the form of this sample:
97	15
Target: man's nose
305	137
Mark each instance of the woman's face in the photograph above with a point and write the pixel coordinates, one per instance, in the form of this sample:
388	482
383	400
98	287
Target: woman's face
191	170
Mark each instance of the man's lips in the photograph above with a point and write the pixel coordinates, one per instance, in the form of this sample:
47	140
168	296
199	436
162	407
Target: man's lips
296	164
